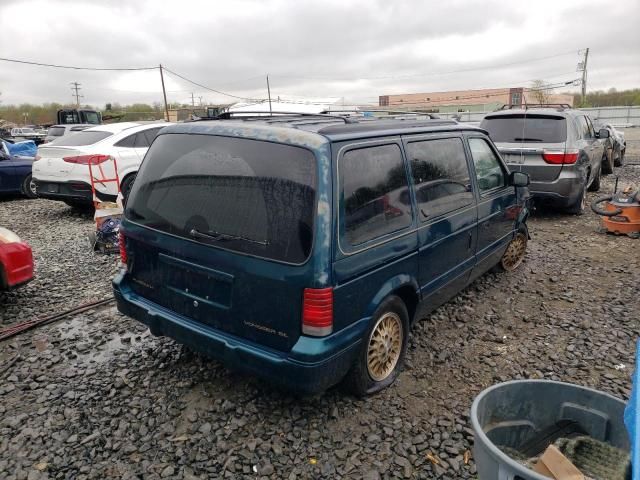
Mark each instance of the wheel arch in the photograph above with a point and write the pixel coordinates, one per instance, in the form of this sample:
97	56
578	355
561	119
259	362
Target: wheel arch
403	286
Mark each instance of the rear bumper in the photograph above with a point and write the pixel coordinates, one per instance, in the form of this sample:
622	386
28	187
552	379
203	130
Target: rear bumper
562	192
16	260
75	191
313	364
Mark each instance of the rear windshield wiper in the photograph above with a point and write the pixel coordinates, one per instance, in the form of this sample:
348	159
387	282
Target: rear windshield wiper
224	236
526	139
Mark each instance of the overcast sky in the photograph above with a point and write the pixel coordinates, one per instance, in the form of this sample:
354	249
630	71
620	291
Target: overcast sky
356	49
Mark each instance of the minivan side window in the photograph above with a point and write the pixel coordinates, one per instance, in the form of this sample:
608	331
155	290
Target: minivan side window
440	176
375	192
489	171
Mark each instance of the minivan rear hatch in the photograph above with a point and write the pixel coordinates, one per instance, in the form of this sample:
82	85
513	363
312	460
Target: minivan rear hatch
219	230
522	140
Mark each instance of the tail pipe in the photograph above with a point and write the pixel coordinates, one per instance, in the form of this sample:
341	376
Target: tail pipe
604	213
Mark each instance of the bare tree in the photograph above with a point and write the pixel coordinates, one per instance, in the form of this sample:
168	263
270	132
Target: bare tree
540	91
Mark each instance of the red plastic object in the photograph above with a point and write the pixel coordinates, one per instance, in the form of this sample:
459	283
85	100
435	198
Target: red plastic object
16	260
317	311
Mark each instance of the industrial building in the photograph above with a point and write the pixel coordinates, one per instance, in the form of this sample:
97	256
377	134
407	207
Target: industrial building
485	100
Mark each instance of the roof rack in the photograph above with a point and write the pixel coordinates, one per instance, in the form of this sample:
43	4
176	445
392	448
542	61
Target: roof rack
536	105
258	115
390	113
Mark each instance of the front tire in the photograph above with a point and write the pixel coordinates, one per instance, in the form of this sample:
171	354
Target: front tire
595	183
29	187
607	162
514	254
619	162
383	349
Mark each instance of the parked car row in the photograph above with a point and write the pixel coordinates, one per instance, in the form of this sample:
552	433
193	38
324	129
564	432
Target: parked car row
303	247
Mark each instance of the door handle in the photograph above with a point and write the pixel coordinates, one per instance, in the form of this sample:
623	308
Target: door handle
470	241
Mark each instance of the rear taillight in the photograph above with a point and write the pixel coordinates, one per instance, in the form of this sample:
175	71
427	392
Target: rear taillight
317	311
560	157
122	243
87	159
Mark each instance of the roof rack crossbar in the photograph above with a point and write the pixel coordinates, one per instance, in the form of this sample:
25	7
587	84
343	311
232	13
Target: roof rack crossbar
264	115
535	105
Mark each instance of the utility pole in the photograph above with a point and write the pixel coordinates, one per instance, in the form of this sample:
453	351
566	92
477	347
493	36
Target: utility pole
193	101
164	94
584	77
200	100
76	88
269	92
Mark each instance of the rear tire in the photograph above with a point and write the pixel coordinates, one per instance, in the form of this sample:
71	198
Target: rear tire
580	205
126	186
29	187
382	350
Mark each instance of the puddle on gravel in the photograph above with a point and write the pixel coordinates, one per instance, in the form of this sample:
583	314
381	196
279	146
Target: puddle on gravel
92	345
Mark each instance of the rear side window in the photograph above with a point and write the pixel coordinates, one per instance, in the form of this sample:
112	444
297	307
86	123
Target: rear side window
55	131
244	195
82	138
489	171
375	192
127	142
440	176
526	128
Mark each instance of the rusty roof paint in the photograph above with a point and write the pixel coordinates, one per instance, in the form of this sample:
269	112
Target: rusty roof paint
256	131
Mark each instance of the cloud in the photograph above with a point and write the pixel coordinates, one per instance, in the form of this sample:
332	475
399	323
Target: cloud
354	49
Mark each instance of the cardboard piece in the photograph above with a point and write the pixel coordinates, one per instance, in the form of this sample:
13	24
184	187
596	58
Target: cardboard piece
554	464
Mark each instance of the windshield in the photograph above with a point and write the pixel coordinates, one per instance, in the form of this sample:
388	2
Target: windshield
28	130
526	129
91	117
244	195
85	137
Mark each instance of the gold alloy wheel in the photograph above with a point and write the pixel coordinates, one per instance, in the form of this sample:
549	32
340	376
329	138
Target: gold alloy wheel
385	344
514	254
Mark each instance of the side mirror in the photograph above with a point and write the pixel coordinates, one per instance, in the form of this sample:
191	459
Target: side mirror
519	179
603	133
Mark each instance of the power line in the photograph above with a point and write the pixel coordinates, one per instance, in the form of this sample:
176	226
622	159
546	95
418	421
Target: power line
430	74
26	62
207	88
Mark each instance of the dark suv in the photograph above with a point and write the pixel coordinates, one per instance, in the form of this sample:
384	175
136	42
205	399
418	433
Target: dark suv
557	146
301	248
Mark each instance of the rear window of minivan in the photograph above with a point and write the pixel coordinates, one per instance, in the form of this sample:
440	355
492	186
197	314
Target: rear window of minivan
77	139
244	195
526	128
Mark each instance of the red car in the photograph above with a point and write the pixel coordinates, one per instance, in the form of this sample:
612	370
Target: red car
16	260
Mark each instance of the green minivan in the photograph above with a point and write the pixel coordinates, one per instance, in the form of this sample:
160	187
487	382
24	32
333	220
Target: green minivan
301	248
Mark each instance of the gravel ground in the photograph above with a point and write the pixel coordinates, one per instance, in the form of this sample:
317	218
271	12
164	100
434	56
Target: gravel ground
95	396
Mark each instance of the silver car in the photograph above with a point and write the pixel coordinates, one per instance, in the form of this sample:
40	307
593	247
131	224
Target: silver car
558	147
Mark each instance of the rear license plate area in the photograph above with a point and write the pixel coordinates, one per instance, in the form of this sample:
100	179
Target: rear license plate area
53	188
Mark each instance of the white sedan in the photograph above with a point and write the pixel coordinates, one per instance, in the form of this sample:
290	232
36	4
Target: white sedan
61	169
